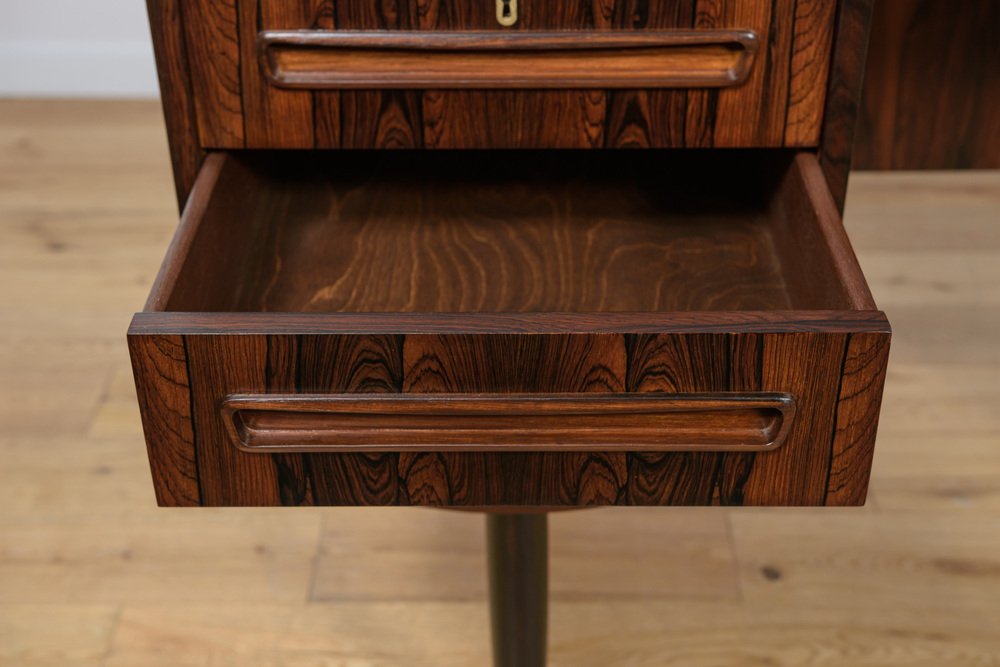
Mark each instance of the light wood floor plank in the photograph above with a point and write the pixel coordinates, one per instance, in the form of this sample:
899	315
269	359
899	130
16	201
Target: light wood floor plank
91	573
37	635
669	552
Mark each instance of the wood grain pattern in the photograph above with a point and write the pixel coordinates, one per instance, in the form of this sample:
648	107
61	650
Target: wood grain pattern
795	474
295	486
200	196
808	366
453	120
274	117
340	350
226	475
507	364
381	119
810	63
376	118
804	248
356	365
644	118
326	104
843	97
511	233
932	87
753	114
346	60
161	375
212	38
591	279
742	115
858	407
745	372
774	321
344	423
176	93
741	362
435	119
484	480
670	363
702	105
511	119
93	572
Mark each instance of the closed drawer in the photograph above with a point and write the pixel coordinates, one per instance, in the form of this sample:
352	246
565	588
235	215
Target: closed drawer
510	329
446	74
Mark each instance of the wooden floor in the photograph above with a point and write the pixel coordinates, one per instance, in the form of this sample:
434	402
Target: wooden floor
91	573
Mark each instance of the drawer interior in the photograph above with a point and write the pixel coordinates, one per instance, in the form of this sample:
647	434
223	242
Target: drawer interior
510	232
510	329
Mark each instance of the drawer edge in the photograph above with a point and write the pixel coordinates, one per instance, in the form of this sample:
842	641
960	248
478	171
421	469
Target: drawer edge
872	321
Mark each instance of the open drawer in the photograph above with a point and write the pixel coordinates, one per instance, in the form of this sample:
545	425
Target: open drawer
510	329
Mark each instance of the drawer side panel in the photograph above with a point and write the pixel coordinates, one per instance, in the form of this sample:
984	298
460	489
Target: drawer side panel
858	409
159	363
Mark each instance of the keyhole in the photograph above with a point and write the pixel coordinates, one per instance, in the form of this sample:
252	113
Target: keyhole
506	12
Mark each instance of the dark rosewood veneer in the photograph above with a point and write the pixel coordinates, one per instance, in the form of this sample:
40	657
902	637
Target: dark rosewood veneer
371	299
510	255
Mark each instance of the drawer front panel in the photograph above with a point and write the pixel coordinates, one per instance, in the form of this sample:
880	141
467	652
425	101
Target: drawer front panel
779	104
834	377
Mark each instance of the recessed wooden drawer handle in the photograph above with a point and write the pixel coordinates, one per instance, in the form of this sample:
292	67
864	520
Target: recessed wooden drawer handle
315	59
508	422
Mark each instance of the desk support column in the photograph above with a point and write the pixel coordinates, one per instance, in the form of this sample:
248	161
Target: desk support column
518	547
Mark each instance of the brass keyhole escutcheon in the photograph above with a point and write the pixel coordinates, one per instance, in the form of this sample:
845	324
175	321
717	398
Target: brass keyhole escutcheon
506	12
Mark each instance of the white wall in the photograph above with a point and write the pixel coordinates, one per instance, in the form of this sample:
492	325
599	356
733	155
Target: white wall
76	48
